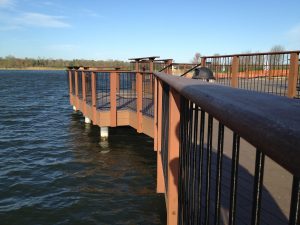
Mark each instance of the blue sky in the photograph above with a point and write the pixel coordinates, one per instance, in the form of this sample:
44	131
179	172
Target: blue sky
120	29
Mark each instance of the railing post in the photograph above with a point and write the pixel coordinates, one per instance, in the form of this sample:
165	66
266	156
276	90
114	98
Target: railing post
118	83
139	103
70	86
83	92
173	157
70	82
203	61
94	99
136	65
113	99
169	69
234	71
293	75
76	89
155	113
160	188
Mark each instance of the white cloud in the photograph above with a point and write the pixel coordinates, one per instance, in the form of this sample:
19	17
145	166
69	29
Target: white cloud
91	13
41	20
6	3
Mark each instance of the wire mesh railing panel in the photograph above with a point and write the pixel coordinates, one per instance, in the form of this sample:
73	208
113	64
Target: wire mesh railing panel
222	69
158	66
79	82
144	66
126	96
221	176
165	133
148	95
266	73
73	81
103	90
88	87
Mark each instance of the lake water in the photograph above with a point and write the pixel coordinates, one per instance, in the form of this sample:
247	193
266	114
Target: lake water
52	169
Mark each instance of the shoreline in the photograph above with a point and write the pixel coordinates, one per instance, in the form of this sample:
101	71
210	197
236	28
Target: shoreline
33	68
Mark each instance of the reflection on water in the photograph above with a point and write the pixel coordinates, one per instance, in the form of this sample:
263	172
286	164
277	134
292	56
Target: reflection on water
53	170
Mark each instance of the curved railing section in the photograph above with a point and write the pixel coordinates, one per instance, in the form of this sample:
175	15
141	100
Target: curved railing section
210	135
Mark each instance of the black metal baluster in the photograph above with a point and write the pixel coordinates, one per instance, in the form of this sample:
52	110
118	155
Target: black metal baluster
181	180
219	172
189	150
257	187
186	162
234	178
295	202
195	144
208	169
200	169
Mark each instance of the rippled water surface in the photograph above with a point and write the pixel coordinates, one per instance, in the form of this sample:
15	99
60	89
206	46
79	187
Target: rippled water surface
52	169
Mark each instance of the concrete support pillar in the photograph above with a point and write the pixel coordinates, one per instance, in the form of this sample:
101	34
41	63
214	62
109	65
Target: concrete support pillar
87	120
103	133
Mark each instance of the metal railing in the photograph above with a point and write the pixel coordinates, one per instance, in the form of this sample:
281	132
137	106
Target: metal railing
214	187
200	174
88	87
271	72
148	94
126	95
102	90
79	81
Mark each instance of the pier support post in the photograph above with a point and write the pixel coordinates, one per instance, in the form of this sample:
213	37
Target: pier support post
103	133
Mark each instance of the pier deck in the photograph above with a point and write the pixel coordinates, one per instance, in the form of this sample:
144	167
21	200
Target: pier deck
224	155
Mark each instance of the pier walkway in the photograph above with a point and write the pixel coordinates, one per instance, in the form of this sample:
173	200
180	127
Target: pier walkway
227	152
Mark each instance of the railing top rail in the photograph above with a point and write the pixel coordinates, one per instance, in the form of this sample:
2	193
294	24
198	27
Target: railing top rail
105	71
252	54
142	58
193	68
188	64
270	123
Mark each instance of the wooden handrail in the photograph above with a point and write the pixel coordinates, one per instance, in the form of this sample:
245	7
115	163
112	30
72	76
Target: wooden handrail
270	123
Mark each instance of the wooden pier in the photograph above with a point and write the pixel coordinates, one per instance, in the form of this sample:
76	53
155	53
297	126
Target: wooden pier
211	140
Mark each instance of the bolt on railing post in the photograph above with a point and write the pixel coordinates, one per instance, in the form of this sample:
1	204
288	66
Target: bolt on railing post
293	75
173	157
139	104
234	71
113	99
94	99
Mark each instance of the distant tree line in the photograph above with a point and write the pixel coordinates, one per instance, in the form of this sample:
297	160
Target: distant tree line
14	62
